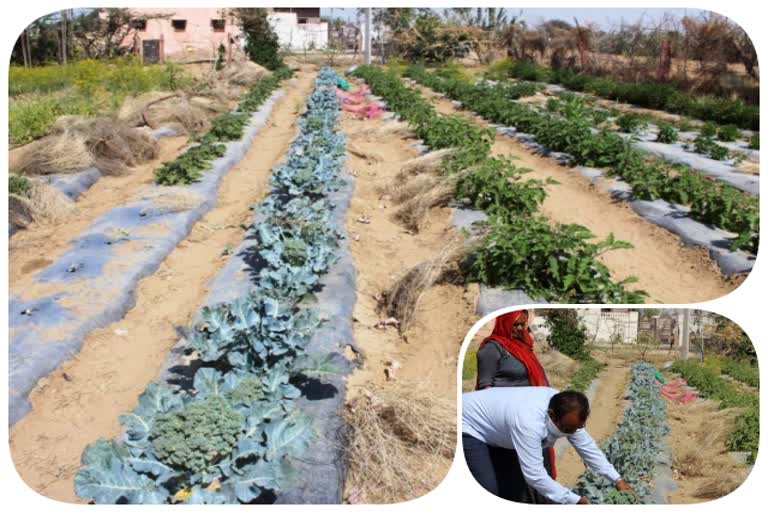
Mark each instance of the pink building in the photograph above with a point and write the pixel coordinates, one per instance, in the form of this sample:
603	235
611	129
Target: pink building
183	34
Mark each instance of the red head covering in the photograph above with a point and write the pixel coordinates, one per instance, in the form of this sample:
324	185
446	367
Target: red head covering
521	348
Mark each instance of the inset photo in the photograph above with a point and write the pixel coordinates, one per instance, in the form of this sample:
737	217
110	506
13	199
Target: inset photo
610	406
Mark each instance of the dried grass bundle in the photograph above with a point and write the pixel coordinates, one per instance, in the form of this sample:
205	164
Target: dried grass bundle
402	298
401	441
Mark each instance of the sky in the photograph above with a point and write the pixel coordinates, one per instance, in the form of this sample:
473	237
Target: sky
605	18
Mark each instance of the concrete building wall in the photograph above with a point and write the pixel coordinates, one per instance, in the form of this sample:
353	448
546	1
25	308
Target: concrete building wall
199	40
296	36
601	325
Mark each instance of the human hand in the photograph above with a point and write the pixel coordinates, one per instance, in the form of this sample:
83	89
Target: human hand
621	485
583	501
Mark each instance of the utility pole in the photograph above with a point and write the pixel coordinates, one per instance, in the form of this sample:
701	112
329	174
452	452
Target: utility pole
367	35
25	48
685	335
64	37
699	314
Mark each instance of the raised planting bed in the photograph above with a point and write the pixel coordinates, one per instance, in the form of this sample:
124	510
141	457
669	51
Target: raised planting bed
74	184
697	150
565	265
572	141
248	409
651	95
92	284
746	436
743	371
636	447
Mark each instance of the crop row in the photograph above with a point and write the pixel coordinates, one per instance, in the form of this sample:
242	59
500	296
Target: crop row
710	202
570	105
230	434
634	446
583	377
521	249
190	165
743	371
746	434
652	95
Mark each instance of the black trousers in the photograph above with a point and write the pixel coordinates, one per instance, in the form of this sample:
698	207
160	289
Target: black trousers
498	471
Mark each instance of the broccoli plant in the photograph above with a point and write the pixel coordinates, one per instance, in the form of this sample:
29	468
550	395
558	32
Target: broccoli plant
231	437
197	436
635	445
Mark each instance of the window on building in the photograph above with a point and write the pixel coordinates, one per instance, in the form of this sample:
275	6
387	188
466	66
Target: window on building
218	24
302	21
179	25
139	24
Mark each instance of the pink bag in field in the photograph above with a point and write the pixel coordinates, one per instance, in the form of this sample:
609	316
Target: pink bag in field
374	110
673	390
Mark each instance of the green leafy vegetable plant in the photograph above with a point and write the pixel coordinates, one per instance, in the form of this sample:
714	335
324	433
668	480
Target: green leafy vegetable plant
18	185
728	133
634	447
667	134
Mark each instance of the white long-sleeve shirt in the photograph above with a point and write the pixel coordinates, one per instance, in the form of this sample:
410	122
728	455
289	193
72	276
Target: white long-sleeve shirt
516	418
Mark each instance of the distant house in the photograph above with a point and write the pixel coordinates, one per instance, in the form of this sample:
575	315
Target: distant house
299	28
194	34
183	34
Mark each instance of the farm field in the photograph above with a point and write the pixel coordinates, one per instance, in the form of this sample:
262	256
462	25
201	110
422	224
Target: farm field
698	432
240	272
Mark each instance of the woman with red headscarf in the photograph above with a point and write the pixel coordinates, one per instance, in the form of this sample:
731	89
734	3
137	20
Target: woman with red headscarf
505	359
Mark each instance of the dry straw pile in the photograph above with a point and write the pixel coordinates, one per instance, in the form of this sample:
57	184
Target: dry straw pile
401	441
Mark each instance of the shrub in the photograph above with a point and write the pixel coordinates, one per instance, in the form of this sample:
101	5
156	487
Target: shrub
497	186
32	117
567	334
754	141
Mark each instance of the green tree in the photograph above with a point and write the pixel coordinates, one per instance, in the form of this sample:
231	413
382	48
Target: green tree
261	42
567	334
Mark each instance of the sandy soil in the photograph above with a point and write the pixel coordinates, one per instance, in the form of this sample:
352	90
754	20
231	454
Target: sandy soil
83	398
607	409
382	250
702	468
32	249
668	271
